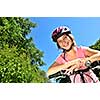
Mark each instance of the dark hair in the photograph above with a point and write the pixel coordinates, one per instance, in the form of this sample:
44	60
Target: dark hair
58	46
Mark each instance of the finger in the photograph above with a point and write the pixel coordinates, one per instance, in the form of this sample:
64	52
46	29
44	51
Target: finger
71	72
66	72
76	69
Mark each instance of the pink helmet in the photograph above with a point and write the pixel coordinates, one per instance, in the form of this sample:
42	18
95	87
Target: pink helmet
59	31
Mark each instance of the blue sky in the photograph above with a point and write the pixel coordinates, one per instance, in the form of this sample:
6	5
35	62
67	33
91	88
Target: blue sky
86	31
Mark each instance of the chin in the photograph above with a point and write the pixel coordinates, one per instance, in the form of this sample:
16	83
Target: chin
67	48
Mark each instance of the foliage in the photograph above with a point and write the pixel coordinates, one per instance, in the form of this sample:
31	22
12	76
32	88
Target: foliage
96	46
19	58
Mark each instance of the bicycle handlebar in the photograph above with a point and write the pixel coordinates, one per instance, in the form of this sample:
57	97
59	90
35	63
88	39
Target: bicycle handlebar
88	64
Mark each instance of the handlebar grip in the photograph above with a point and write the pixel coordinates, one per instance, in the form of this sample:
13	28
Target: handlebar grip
95	63
55	75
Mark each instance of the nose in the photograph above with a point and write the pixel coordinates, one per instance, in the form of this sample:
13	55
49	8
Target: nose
63	42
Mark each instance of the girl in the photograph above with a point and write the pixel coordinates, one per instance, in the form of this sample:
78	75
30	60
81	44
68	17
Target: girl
72	58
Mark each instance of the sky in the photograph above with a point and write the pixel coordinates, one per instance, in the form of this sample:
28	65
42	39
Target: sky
86	31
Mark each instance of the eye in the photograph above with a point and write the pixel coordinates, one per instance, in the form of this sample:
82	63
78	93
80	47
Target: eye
60	41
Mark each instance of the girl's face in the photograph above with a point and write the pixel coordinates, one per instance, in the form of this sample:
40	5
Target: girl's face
64	42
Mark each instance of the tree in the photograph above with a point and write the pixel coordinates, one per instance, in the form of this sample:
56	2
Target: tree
19	57
96	46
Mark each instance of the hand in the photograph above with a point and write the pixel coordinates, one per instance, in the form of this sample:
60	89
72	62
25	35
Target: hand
83	61
77	63
70	70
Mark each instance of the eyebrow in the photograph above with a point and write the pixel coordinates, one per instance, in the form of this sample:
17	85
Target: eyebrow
63	38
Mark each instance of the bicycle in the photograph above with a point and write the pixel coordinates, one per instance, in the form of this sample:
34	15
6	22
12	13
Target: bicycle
64	78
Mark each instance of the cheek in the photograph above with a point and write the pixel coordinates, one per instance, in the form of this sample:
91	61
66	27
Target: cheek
59	44
70	41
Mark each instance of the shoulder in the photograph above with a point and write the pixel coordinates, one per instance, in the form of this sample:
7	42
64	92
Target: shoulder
88	51
60	59
60	56
83	48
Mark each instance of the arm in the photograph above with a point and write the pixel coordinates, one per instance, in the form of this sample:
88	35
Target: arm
91	54
55	67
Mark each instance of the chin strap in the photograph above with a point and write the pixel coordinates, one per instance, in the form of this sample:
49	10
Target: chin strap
64	50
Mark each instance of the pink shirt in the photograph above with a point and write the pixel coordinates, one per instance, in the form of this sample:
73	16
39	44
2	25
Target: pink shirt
80	54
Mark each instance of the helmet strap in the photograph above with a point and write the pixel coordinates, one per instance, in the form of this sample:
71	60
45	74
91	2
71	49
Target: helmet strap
64	50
